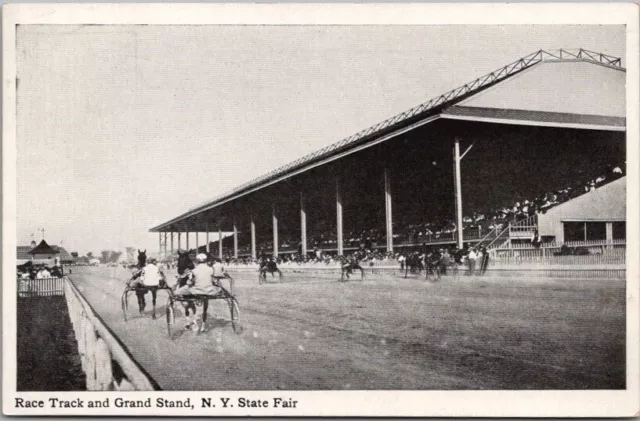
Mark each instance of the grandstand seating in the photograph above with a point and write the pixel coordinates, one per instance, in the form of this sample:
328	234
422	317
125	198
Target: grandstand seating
492	228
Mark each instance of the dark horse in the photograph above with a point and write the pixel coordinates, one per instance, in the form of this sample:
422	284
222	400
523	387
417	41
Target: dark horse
142	290
185	277
413	264
348	267
270	266
142	261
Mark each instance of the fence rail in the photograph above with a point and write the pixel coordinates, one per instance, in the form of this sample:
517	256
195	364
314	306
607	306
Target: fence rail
546	256
43	287
98	348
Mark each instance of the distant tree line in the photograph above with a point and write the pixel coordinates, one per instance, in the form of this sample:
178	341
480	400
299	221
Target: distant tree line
109	256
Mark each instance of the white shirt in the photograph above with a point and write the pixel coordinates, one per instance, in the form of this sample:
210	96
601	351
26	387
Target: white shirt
202	273
472	254
43	274
151	275
218	269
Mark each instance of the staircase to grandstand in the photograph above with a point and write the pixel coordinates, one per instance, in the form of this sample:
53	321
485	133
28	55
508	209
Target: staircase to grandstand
521	232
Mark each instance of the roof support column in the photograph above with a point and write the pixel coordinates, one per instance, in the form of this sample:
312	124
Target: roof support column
187	235
219	241
235	239
253	238
171	243
165	244
388	209
159	244
197	243
179	242
303	225
458	180
275	231
207	239
339	217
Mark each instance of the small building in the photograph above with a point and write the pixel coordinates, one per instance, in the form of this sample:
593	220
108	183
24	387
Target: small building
44	253
596	216
59	255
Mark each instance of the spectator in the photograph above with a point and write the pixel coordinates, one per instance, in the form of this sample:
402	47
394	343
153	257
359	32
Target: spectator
485	260
471	261
43	273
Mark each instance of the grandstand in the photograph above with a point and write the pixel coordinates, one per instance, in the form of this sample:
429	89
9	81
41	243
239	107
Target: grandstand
533	134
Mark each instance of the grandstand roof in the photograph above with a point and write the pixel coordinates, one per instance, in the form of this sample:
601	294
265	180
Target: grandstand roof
559	88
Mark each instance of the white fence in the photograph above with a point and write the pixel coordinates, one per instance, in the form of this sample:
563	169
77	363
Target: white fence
99	348
43	287
548	256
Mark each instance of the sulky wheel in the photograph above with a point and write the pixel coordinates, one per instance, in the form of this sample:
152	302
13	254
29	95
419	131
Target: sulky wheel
171	319
125	303
234	310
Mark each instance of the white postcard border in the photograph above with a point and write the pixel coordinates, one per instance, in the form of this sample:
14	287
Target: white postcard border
336	403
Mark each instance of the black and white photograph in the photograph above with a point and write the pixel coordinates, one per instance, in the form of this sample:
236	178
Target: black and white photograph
320	210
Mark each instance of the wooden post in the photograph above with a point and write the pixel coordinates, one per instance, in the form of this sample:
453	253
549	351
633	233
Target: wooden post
458	178
388	209
303	225
219	241
235	239
609	236
165	244
207	239
274	217
339	218
253	238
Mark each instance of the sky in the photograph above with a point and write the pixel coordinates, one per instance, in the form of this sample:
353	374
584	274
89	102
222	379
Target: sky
121	128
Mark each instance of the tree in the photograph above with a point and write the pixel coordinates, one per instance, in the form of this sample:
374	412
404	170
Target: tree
90	255
74	254
110	256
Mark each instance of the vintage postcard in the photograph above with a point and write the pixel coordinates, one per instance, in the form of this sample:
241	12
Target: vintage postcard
321	210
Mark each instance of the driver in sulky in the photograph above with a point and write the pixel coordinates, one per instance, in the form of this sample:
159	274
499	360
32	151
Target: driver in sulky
199	284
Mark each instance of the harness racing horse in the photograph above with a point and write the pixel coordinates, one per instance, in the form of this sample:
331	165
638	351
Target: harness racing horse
348	266
185	265
269	266
432	270
414	264
141	290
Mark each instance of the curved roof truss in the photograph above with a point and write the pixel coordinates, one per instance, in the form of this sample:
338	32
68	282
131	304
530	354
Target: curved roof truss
400	123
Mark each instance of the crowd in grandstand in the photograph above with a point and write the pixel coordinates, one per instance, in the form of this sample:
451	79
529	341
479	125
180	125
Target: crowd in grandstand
479	223
366	243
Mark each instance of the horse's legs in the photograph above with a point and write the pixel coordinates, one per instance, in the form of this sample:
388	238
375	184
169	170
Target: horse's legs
154	293
205	307
141	303
361	273
280	275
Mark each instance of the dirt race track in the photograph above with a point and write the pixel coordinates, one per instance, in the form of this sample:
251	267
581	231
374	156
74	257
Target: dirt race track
314	333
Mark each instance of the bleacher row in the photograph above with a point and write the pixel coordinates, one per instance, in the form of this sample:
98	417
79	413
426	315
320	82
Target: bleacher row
474	226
